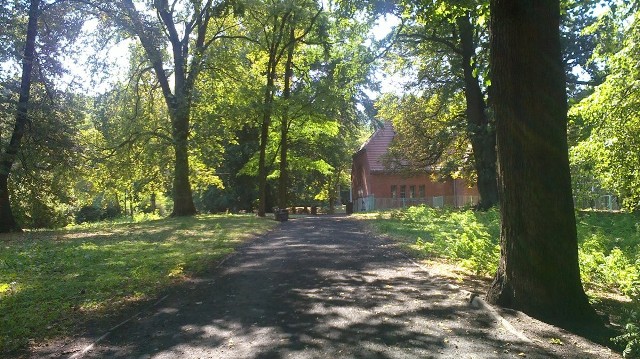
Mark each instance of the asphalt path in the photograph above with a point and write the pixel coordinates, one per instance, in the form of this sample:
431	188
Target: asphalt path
316	287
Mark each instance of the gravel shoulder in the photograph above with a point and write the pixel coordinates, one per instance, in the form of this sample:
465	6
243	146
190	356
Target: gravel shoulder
319	287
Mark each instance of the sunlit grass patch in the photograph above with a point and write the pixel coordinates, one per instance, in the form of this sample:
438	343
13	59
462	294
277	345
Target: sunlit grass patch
466	236
52	281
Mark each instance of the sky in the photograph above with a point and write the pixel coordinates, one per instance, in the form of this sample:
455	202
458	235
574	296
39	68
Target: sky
389	83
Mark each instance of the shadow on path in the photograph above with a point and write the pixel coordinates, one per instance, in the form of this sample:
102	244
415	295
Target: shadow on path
316	287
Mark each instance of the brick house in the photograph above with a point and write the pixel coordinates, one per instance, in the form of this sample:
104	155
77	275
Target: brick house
374	187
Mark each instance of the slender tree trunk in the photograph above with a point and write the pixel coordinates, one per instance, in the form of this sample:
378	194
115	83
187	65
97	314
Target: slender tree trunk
264	136
118	206
7	221
283	184
538	272
480	129
332	193
131	204
152	200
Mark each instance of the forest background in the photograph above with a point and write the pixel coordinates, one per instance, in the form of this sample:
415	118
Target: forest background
259	98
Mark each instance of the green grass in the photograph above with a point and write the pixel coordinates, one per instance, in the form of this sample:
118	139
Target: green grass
53	281
609	252
467	237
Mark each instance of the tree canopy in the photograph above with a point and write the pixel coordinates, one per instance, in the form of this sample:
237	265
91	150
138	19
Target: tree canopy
185	111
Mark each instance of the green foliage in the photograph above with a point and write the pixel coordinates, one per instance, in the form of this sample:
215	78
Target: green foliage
631	337
41	192
609	243
50	282
611	121
430	131
95	213
609	248
468	237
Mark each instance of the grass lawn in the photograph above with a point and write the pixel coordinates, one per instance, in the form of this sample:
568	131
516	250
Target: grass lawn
54	281
609	253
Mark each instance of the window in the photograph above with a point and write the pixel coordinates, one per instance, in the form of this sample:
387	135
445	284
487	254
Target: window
403	191
412	191
394	191
421	192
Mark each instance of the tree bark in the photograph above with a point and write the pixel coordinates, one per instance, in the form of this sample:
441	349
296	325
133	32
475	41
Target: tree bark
7	220
182	195
283	184
538	272
480	130
152	201
264	135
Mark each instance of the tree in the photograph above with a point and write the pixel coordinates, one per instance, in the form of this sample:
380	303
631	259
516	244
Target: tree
538	272
283	181
39	115
319	114
190	29
606	151
452	33
428	129
276	27
127	141
7	221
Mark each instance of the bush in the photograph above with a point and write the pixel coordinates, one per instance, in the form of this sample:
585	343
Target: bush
88	214
631	337
112	211
609	245
464	235
94	213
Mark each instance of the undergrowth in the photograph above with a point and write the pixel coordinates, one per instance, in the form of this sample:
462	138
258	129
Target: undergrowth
609	250
472	238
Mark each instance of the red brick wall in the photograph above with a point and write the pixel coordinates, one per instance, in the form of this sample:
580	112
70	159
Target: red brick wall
379	184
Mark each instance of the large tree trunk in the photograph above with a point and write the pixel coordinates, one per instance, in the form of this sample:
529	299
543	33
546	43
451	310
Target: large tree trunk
182	195
481	132
538	272
283	184
7	221
264	136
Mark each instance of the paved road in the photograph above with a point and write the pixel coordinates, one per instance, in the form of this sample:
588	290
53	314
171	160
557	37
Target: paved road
316	287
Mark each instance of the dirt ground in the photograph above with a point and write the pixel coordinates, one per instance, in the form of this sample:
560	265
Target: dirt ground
322	287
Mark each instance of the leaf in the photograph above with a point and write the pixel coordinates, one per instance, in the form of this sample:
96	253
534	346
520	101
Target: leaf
556	341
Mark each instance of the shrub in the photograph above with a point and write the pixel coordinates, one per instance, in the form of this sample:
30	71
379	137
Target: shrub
88	214
94	213
609	244
464	235
110	212
631	337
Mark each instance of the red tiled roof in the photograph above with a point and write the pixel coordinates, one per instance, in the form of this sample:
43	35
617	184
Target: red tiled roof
377	145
